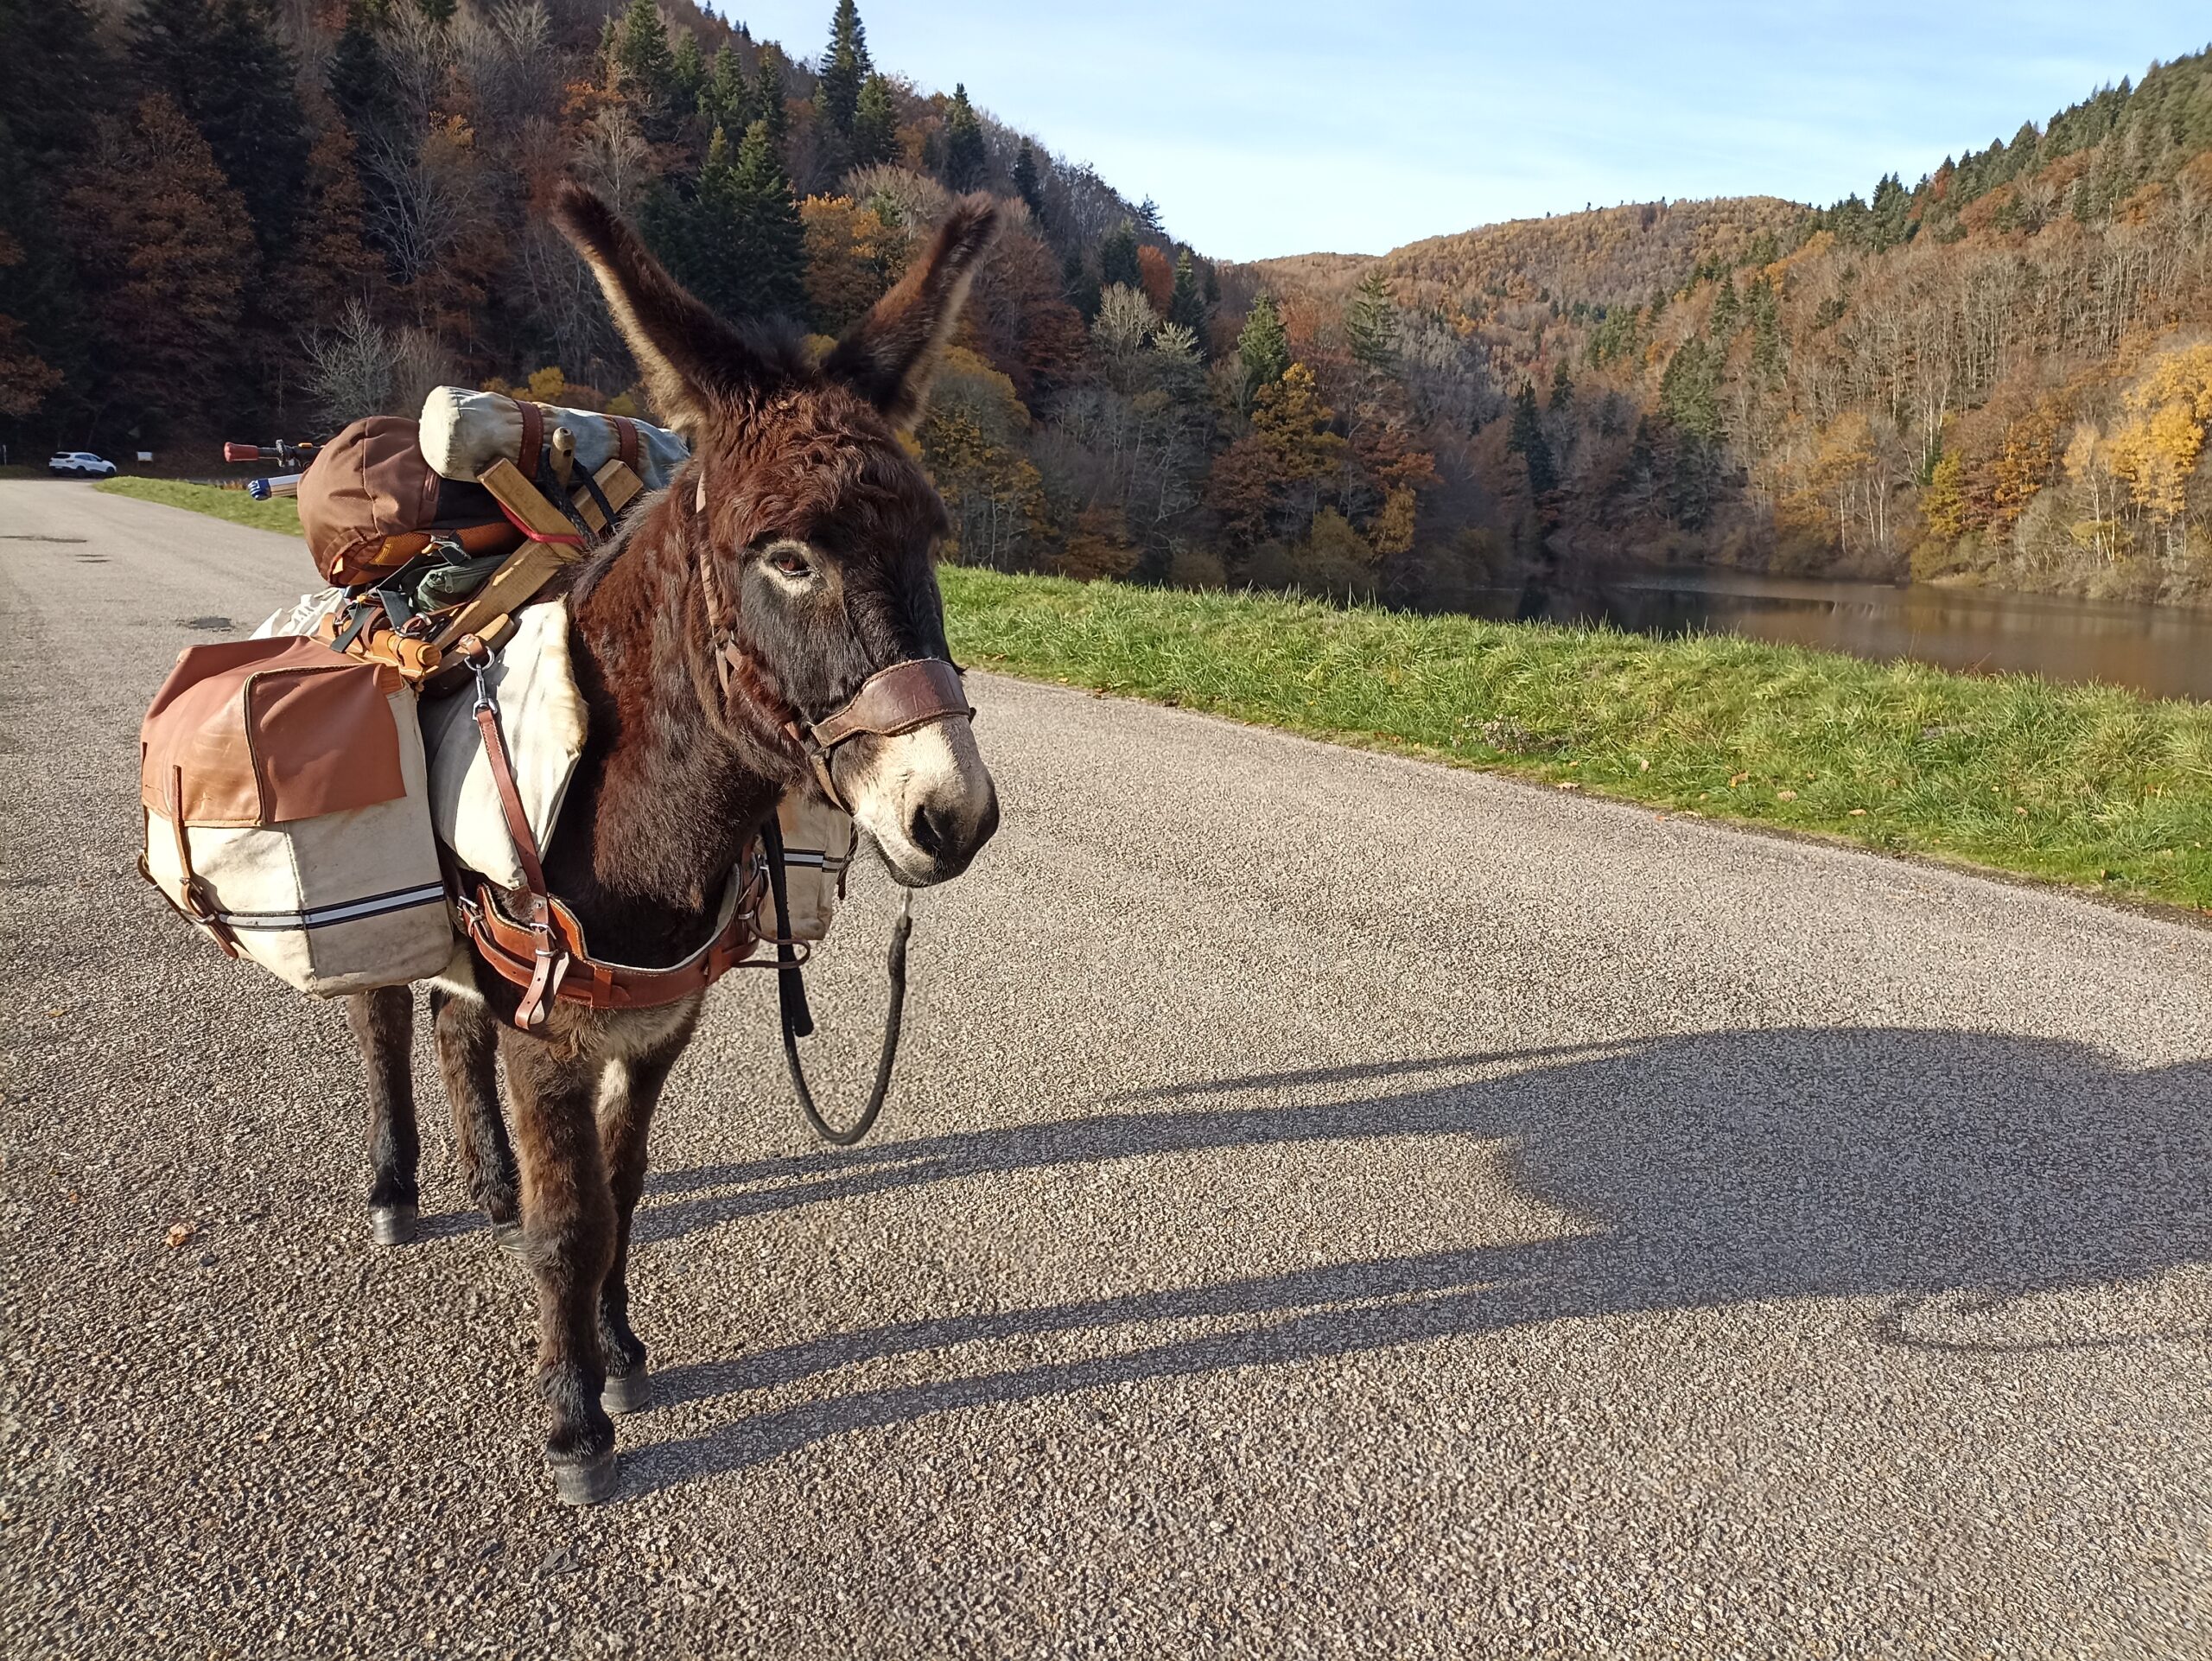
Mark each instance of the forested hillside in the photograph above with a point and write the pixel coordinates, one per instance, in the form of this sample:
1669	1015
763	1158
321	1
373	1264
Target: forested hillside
2003	373
249	217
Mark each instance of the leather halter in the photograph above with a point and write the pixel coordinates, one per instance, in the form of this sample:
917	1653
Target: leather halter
899	699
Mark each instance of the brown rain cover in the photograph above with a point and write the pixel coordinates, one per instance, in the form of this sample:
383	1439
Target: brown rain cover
264	732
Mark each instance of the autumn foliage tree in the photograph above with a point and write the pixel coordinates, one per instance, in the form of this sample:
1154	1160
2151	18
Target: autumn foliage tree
166	256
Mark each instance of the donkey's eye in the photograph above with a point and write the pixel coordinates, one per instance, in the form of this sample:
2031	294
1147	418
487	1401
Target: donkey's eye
789	559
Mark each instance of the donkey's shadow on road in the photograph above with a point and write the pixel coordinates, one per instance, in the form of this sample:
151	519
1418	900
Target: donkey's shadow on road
1949	1173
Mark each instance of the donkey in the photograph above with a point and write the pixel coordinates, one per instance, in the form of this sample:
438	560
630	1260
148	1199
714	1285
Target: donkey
787	564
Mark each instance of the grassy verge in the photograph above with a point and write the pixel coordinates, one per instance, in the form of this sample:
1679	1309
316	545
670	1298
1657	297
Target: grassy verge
232	505
2082	785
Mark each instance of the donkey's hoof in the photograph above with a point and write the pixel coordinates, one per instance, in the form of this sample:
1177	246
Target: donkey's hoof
392	1226
626	1392
587	1482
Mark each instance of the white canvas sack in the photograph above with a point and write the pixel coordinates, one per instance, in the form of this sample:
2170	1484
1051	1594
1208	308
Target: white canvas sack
464	432
543	718
818	845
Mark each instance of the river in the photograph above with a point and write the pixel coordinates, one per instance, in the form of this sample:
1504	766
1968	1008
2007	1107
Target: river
2165	652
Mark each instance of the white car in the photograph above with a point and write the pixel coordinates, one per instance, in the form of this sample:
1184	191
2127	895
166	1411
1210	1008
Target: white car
82	463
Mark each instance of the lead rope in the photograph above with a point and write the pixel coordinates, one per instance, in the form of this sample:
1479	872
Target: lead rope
798	1020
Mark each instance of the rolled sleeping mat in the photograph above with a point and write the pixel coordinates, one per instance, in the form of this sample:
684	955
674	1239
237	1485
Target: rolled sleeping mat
464	432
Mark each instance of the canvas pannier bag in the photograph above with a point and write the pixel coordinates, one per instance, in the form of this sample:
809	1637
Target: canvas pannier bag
369	502
464	432
287	814
818	845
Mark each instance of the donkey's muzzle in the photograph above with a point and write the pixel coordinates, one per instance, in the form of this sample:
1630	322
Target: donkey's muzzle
950	834
923	797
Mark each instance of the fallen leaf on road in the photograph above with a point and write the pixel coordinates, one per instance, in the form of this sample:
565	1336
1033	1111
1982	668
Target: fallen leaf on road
178	1234
1568	784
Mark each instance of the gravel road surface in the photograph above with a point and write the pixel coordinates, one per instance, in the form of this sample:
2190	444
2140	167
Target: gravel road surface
1331	1207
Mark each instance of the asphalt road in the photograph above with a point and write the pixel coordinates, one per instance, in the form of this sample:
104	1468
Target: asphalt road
1331	1207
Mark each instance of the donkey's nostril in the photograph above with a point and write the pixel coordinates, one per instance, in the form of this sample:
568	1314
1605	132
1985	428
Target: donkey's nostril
922	830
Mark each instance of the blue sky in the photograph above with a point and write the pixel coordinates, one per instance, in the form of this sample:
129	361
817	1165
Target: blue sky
1289	127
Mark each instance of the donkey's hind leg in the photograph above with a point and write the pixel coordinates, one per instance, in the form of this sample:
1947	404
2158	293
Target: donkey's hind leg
628	1095
384	1025
468	1049
568	1216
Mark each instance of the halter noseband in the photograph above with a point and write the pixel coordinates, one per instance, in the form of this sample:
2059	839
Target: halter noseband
899	699
892	701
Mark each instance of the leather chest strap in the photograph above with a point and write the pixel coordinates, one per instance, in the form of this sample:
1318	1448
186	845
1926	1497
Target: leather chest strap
510	949
549	957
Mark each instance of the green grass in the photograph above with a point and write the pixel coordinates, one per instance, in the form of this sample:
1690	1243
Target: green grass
2081	785
232	505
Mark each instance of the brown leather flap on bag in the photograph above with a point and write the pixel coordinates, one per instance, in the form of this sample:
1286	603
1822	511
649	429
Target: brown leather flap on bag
264	732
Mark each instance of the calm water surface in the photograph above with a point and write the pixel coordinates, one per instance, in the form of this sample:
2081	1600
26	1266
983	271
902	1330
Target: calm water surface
2163	650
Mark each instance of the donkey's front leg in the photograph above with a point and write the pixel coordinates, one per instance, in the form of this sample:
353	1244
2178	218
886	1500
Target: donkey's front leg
468	1048
384	1025
568	1218
631	1091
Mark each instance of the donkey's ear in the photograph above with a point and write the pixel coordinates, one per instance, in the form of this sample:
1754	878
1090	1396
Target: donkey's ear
889	355
691	360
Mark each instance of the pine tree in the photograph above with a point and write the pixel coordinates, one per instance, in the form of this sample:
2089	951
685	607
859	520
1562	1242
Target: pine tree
687	74
771	276
768	104
358	77
1080	284
1370	325
1726	307
1263	346
1117	258
222	63
1888	218
1562	393
1765	309
1690	391
1527	438
1187	307
727	98
844	70
644	67
875	123
965	159
1026	184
